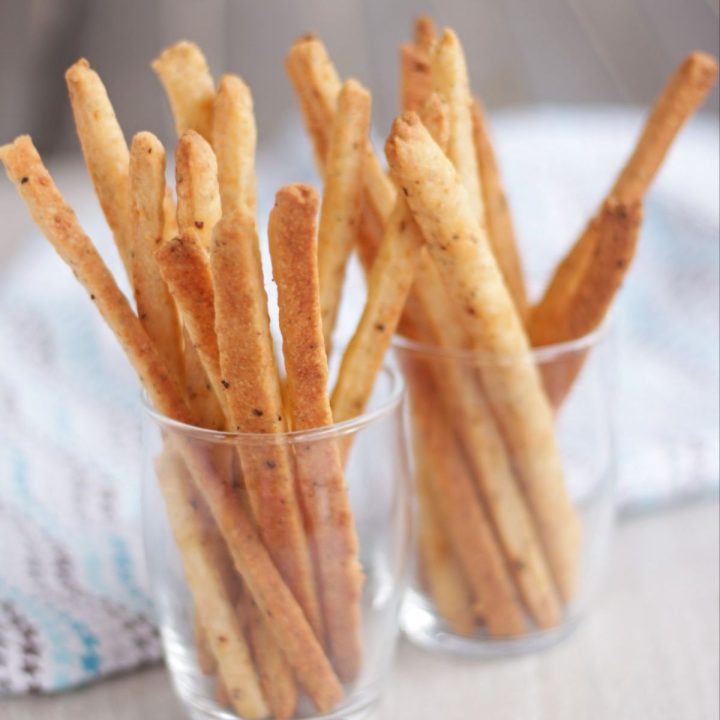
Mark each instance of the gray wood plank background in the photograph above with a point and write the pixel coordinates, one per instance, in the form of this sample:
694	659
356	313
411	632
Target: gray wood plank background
519	51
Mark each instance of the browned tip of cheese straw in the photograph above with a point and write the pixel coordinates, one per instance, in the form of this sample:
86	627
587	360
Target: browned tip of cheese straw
403	128
71	74
684	92
612	241
305	38
425	32
298	196
609	245
297	205
448	38
352	87
617	228
415	75
701	67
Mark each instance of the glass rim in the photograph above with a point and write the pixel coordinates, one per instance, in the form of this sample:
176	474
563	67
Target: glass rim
346	427
542	354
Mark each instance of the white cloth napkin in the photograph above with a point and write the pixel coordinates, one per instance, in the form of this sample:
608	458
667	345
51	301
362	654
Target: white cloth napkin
73	599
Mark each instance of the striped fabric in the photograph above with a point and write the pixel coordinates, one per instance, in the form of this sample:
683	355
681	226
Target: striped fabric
73	603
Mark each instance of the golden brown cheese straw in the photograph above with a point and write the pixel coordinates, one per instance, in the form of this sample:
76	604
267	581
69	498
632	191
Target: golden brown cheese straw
379	190
436	118
556	300
276	674
234	141
328	517
281	611
205	658
415	77
617	228
446	583
342	197
222	455
372	227
497	212
252	388
415	71
222	697
464	519
105	151
611	240
154	303
615	231
465	405
170	227
417	94
450	79
680	98
425	32
459	246
196	184
317	85
467	408
184	73
388	286
222	628
198	211
276	677
416	81
207	409
285	617
185	267
427	304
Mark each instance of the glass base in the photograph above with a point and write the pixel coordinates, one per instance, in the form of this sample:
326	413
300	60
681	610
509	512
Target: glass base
342	713
365	714
197	692
424	628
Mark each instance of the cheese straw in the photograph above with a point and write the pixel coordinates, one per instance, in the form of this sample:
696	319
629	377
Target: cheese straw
460	249
463	518
342	198
317	85
551	320
319	477
444	577
183	72
105	151
154	304
497	212
252	389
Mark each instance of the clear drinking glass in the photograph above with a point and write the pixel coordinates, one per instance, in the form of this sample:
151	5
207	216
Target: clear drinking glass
473	527
194	482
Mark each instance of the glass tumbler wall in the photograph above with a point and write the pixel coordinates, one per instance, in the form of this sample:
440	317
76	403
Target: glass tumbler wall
268	610
512	537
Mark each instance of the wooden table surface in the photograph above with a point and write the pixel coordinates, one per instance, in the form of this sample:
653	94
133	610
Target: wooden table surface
648	651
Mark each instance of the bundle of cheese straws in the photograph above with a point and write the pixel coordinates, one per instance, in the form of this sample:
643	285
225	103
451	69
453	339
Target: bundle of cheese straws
201	344
277	611
500	541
